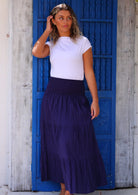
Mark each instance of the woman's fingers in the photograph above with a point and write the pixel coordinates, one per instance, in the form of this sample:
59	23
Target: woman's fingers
94	115
48	25
94	110
49	18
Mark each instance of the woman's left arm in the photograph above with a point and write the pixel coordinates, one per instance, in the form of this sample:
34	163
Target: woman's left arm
91	81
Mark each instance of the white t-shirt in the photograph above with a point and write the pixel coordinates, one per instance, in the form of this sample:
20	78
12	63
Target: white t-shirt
66	57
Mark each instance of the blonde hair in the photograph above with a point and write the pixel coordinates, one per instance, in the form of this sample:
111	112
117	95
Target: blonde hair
74	31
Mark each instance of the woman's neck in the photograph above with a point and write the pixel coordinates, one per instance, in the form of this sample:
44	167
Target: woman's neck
64	34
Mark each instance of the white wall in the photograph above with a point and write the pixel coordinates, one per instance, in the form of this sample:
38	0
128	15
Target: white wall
20	175
136	103
4	90
125	70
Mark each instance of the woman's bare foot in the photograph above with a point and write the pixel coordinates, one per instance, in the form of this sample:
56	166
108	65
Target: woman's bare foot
62	192
68	193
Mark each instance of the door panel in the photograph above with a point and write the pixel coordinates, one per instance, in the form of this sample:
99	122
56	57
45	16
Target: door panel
97	20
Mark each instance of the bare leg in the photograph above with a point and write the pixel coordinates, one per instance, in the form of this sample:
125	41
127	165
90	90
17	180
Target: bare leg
64	191
62	186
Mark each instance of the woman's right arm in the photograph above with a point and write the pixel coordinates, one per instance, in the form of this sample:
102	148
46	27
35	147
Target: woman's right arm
40	49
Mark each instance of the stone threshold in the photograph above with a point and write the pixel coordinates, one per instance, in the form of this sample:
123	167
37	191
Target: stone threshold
125	191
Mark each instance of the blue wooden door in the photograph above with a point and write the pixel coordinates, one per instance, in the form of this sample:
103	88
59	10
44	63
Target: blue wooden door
98	21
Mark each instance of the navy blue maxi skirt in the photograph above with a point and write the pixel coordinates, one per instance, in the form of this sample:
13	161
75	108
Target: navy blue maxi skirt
69	150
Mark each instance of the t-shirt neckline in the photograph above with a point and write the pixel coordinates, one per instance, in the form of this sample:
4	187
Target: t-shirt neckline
64	37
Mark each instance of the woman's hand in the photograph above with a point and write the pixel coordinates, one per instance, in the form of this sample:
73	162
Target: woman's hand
95	110
48	25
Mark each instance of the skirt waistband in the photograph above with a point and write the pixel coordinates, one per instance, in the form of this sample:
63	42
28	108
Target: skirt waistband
65	86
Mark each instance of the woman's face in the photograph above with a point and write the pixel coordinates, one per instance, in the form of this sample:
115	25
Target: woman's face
63	22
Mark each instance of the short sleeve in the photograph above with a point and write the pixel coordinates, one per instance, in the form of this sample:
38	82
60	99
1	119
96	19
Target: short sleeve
48	43
85	45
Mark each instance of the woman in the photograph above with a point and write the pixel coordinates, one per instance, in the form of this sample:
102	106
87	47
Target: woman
69	151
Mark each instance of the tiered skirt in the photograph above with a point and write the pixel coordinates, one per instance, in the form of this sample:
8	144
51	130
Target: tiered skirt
69	149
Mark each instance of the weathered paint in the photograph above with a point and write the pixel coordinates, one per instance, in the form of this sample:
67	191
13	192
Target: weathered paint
4	90
125	93
135	171
21	100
